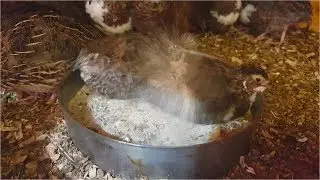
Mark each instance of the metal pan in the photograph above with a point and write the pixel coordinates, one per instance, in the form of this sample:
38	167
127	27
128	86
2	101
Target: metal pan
209	160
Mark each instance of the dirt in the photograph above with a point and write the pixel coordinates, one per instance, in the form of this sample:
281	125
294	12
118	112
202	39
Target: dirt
285	144
23	129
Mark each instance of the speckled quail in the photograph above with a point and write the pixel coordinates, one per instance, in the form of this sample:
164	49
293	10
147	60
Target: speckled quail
164	70
38	47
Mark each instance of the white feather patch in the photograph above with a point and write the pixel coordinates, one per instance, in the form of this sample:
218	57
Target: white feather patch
253	97
246	13
244	83
91	69
238	4
260	89
118	29
227	19
96	11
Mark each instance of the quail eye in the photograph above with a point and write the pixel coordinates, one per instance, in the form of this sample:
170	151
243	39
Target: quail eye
258	79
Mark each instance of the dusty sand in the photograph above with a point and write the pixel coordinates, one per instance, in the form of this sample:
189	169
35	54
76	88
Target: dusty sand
137	121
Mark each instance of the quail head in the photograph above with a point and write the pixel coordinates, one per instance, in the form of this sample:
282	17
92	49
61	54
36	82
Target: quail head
223	93
163	70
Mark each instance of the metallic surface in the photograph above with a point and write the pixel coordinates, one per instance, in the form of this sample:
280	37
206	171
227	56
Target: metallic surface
210	160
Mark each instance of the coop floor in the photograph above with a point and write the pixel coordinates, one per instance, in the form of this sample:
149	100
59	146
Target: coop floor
285	145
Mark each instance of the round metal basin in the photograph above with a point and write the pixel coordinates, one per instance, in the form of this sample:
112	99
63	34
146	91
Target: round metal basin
209	160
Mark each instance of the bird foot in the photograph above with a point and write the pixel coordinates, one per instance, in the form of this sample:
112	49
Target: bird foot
283	35
260	37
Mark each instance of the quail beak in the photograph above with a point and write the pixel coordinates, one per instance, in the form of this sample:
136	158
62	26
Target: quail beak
79	62
262	87
266	83
75	66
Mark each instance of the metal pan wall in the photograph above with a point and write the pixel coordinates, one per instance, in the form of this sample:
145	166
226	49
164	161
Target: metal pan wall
210	160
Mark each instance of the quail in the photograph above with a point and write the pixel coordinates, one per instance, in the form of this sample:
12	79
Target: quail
32	59
118	17
274	16
166	70
188	16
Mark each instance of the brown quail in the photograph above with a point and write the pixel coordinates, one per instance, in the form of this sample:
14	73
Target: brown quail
274	16
163	69
38	47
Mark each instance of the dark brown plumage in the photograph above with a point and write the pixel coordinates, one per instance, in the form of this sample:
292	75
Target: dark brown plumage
274	16
150	15
73	9
159	68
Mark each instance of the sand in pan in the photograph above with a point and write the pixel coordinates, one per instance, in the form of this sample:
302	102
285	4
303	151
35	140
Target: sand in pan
144	123
140	122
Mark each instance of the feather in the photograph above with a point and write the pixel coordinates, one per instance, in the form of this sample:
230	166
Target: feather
39	49
112	16
166	70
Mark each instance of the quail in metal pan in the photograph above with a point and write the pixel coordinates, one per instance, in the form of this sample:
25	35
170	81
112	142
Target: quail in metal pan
165	71
274	16
117	64
223	92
